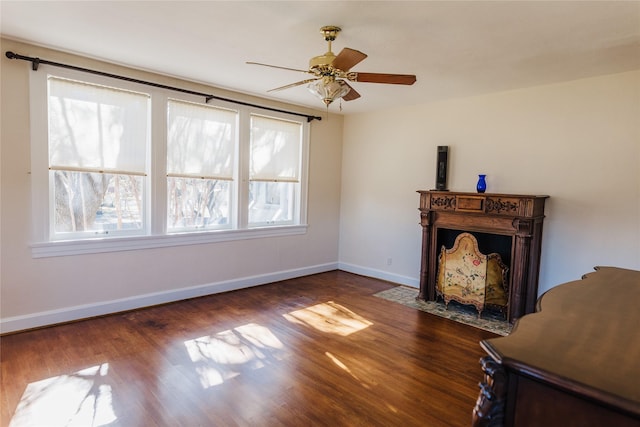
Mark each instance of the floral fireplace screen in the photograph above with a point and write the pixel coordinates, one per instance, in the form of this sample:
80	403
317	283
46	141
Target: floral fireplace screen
467	276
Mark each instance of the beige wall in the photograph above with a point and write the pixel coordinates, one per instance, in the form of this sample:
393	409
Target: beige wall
45	290
578	142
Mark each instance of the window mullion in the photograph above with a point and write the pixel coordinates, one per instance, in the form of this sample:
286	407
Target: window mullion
244	135
158	184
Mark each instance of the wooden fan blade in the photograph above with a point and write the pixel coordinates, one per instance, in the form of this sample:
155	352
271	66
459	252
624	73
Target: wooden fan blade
351	95
277	66
292	85
347	58
393	79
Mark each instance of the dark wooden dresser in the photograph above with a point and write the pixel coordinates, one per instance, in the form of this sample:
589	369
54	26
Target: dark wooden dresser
575	362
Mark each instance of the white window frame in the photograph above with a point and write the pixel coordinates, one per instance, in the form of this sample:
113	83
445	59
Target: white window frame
84	234
156	234
233	199
296	189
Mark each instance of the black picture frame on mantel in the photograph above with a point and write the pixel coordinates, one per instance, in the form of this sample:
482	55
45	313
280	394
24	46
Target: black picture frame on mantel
442	166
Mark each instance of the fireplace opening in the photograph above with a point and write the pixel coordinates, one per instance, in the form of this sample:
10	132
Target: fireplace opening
487	242
465	283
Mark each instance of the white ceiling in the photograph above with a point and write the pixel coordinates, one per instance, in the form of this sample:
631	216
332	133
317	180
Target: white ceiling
455	48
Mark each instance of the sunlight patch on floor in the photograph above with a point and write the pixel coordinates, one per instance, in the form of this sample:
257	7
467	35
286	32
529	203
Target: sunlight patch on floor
220	357
80	399
329	317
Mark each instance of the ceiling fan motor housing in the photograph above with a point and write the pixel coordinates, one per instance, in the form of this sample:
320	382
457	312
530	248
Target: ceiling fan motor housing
322	60
330	33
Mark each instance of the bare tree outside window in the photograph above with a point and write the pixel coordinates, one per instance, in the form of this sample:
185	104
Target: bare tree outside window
201	143
97	157
275	164
197	203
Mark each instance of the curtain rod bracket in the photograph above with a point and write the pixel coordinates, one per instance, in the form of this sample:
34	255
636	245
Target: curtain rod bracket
35	63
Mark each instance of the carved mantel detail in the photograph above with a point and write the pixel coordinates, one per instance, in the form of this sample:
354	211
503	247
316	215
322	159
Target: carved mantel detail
444	202
498	206
523	227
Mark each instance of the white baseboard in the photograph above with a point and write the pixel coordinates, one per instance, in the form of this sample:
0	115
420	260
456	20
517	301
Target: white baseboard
379	274
68	314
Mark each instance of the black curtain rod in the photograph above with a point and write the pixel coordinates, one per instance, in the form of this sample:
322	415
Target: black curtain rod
35	62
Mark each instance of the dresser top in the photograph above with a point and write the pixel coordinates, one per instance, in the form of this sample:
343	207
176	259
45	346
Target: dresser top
585	337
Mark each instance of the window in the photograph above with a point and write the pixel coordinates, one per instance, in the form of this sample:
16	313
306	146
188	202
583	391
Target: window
274	170
201	145
98	138
121	160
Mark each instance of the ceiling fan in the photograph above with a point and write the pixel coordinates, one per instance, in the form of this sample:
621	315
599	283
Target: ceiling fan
332	72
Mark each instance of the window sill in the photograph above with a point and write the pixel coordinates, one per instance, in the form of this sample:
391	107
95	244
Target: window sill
116	244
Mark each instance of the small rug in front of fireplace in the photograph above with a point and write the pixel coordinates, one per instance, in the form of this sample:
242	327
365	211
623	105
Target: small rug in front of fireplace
468	315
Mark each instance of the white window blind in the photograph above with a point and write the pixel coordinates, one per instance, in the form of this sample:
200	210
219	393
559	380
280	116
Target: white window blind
97	129
275	150
201	141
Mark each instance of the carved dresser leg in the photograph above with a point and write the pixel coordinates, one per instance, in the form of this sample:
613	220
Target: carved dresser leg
490	406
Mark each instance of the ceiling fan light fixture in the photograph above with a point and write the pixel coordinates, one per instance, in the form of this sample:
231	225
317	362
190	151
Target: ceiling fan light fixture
329	89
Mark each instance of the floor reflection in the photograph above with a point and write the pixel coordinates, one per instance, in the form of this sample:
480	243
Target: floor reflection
329	317
220	357
80	399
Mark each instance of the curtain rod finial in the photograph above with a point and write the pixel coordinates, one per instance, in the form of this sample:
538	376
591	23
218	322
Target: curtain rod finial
35	62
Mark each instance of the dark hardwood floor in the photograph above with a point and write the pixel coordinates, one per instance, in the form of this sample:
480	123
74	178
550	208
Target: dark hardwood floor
319	350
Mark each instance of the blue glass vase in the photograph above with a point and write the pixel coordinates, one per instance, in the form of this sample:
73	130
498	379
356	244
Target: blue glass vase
482	184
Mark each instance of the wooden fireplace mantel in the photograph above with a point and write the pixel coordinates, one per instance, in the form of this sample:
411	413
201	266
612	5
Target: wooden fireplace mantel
519	217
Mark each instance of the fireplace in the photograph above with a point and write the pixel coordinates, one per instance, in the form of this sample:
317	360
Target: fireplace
507	224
